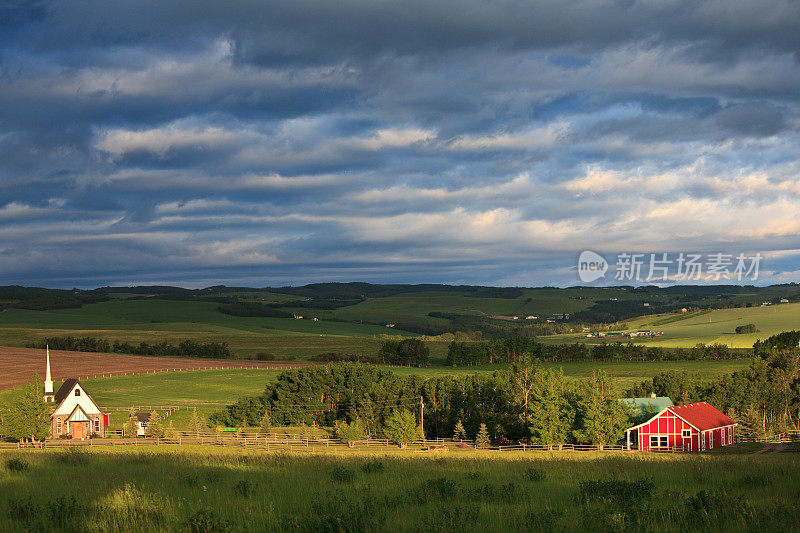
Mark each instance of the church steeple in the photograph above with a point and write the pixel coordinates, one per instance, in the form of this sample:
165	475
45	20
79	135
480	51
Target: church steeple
48	383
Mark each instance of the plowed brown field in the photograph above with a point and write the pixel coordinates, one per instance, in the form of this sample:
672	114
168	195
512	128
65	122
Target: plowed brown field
18	365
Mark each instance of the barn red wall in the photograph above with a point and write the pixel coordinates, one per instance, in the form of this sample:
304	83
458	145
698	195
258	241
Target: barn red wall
670	425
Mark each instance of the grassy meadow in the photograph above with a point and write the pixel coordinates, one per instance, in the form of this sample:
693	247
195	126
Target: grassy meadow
206	489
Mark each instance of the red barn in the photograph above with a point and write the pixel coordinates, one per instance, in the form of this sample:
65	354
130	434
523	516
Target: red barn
691	427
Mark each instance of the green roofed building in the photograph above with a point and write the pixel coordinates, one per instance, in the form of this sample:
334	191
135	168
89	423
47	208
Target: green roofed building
649	405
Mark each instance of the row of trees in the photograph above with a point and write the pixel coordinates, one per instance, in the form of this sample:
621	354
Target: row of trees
186	348
518	348
526	402
407	352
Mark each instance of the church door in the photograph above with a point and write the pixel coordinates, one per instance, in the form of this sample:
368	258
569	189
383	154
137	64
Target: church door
77	430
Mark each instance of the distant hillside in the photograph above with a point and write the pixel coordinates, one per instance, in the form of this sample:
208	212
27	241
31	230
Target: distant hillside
427	308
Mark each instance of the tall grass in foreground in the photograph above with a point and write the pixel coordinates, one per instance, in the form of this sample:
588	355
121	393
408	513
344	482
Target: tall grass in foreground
201	489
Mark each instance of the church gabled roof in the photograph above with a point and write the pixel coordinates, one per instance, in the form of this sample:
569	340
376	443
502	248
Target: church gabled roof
65	389
86	402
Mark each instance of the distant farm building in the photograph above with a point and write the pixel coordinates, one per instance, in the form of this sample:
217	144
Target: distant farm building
142	421
75	415
647	405
691	427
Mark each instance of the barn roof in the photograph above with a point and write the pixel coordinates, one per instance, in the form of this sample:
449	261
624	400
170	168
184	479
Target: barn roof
702	415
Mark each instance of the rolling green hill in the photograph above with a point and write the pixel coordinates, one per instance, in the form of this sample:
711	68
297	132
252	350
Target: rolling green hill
352	317
711	326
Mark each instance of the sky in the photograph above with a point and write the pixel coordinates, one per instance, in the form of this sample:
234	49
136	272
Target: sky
448	141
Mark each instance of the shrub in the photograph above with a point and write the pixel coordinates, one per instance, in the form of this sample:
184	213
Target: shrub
372	466
17	465
342	475
22	510
63	509
74	456
206	521
443	487
535	474
243	488
616	490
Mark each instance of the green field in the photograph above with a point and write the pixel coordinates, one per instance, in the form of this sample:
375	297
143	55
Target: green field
172	321
205	489
154	319
714	326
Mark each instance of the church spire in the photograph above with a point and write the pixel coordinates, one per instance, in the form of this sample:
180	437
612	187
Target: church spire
48	383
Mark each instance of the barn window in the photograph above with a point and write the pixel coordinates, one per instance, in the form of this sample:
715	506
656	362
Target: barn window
659	441
77	392
686	433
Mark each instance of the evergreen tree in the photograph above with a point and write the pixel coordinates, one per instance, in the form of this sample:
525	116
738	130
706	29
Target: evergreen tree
752	423
482	440
28	415
459	433
266	424
170	432
552	415
196	423
155	426
129	428
602	416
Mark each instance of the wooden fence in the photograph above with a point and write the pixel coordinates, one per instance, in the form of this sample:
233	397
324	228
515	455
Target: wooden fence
270	441
779	438
220	366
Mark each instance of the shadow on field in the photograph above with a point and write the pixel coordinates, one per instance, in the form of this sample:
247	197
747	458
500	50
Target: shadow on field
218	490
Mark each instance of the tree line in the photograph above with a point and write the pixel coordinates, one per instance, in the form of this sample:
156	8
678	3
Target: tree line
514	349
186	348
526	402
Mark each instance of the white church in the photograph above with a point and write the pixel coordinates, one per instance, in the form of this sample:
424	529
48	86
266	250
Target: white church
75	412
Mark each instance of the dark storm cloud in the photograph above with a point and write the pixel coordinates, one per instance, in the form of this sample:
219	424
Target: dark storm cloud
470	141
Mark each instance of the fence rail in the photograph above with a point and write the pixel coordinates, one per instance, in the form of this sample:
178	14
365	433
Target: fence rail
292	442
779	438
273	440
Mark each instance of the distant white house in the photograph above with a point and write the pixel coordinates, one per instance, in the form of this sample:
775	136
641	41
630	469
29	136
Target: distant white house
142	421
